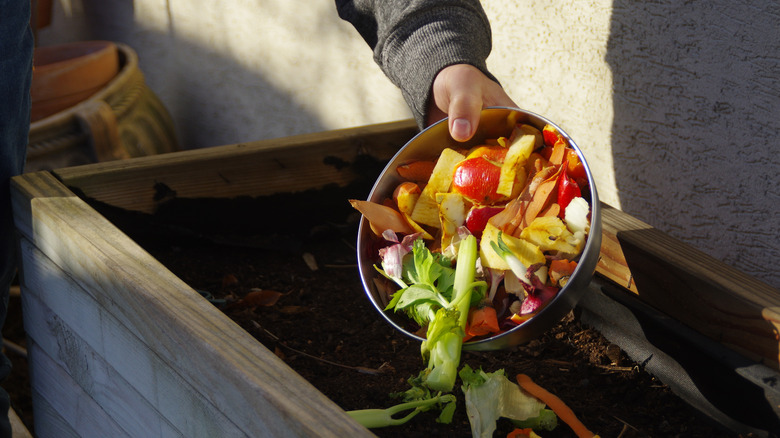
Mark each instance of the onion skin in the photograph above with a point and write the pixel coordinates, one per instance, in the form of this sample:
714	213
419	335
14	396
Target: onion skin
382	217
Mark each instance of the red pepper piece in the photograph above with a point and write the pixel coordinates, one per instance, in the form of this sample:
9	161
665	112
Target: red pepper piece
568	189
478	217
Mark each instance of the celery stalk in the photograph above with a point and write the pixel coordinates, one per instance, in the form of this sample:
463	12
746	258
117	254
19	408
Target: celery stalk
444	338
374	418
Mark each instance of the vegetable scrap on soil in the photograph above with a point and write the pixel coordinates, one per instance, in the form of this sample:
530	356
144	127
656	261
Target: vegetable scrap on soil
302	298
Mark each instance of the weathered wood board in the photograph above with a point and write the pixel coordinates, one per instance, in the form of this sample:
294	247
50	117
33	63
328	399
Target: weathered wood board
111	326
713	298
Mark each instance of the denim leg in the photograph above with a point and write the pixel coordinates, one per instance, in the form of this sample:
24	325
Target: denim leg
16	50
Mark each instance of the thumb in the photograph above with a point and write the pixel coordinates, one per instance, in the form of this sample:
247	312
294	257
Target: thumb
464	110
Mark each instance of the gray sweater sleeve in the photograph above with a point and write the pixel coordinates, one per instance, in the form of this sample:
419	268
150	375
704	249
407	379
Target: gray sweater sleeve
413	40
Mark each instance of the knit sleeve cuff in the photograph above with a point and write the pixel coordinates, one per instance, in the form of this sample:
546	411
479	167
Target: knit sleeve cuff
421	46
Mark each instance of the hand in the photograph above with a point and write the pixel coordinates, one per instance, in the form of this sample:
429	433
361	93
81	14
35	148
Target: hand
462	91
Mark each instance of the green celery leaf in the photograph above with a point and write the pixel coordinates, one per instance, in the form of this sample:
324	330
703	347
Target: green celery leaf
417	294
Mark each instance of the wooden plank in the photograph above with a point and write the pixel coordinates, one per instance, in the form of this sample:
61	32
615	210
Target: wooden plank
702	292
612	262
48	422
112	367
61	407
717	300
259	168
240	377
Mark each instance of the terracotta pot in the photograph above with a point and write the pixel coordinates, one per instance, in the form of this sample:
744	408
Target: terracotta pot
123	119
67	74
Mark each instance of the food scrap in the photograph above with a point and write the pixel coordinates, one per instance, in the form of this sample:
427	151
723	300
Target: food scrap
475	243
525	198
557	405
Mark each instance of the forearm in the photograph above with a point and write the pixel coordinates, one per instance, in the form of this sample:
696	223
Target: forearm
413	40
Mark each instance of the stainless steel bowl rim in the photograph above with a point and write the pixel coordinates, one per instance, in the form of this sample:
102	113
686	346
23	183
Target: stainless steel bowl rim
567	297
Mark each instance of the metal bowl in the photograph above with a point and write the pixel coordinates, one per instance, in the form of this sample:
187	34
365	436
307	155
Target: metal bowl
494	122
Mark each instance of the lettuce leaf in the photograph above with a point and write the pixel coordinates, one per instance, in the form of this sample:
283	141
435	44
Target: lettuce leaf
490	396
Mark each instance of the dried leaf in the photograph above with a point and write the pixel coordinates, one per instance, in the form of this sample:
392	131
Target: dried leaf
257	298
229	280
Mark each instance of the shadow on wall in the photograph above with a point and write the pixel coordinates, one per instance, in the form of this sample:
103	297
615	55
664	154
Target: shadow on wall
198	84
694	138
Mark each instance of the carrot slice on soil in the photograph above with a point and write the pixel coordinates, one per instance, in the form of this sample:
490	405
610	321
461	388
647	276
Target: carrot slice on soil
561	409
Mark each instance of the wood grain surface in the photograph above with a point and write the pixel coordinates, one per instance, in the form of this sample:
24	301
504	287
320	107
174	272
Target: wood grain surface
122	316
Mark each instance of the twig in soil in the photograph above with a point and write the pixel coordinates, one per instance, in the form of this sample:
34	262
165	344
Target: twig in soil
615	368
560	363
385	367
626	426
611	368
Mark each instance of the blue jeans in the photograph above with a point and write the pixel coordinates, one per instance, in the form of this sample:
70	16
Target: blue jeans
16	53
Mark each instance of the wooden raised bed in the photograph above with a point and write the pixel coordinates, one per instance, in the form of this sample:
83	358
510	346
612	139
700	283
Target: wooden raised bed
119	346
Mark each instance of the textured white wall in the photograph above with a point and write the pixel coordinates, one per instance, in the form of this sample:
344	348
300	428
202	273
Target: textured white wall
674	103
245	69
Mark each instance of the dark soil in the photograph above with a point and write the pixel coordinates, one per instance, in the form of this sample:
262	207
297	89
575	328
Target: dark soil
325	328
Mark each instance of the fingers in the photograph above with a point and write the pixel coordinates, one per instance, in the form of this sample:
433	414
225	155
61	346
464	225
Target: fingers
465	105
462	91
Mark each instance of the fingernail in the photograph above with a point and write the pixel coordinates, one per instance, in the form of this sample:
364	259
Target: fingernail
461	129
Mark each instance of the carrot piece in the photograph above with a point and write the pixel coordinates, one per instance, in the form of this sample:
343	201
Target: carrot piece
521	433
534	163
513	226
543	196
552	210
558	152
482	321
557	405
515	223
416	171
561	268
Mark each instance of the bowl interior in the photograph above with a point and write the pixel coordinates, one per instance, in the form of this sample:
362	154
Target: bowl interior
428	144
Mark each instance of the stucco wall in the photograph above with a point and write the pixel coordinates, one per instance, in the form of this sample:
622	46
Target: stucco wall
675	103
